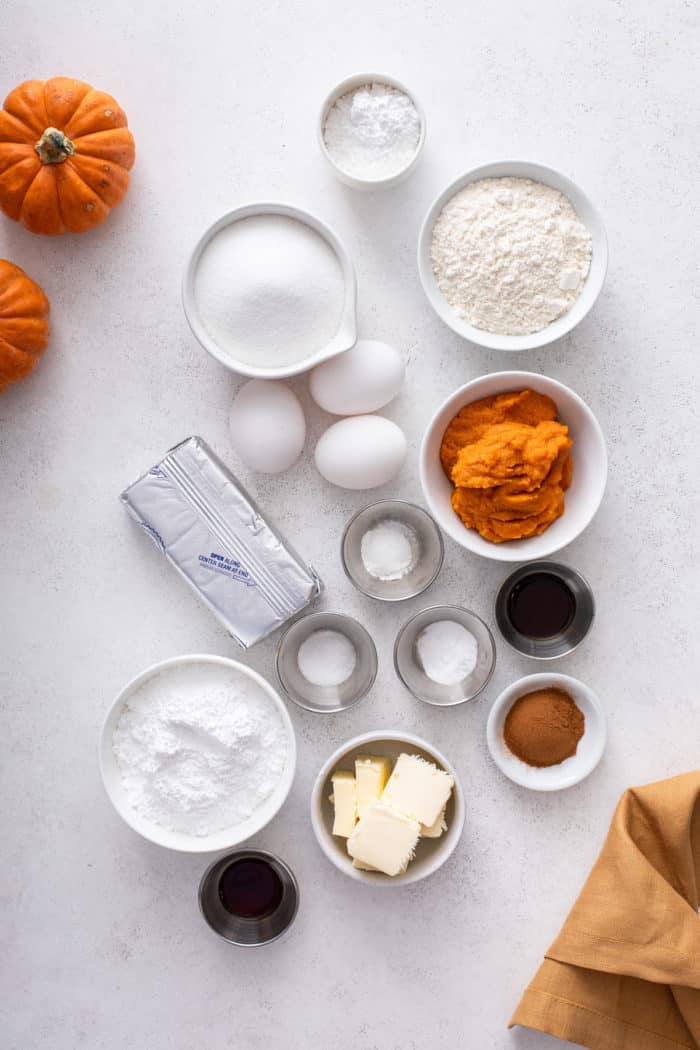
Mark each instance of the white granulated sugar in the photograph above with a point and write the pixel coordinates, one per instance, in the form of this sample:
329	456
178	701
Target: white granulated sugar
447	651
373	132
269	290
510	255
326	658
199	749
389	550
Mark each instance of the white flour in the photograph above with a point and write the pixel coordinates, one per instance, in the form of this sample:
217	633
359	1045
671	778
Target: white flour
373	132
510	255
269	290
199	749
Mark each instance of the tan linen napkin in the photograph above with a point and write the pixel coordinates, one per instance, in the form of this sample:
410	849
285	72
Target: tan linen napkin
624	972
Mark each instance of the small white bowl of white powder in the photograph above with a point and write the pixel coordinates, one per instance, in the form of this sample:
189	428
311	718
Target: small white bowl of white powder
197	753
512	255
371	131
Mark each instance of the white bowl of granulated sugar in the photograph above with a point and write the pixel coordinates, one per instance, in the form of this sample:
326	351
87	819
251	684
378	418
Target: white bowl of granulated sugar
270	291
197	753
512	255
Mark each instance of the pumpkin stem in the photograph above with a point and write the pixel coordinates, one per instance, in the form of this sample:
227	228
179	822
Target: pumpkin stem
54	147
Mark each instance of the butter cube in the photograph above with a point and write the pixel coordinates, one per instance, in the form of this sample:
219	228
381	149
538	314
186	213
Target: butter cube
344	799
435	830
371	775
418	788
384	839
362	867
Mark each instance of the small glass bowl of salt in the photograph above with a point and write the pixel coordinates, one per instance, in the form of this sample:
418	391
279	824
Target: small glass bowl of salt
445	655
392	550
326	662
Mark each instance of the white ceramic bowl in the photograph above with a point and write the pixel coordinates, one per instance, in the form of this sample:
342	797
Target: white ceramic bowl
345	337
359	80
431	854
112	780
571	770
582	498
594	281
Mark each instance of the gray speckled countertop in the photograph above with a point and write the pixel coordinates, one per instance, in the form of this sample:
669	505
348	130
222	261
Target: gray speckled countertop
103	945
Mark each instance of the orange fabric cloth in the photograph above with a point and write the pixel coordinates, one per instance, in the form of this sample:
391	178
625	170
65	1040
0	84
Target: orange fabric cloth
624	972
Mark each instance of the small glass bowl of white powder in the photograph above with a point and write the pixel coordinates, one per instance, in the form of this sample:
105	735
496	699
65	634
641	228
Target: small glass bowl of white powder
326	662
445	655
371	131
392	550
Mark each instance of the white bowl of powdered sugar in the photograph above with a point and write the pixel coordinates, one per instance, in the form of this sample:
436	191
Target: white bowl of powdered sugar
197	753
270	291
512	255
371	131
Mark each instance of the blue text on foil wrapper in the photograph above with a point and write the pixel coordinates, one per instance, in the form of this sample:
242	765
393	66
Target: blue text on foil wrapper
230	567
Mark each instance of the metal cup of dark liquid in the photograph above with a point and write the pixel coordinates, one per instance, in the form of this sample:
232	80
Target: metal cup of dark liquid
249	897
545	609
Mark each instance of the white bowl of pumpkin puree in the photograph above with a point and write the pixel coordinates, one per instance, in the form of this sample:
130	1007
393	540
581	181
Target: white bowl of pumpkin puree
513	466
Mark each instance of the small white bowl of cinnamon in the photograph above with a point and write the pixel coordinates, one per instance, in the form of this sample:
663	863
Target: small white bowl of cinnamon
546	731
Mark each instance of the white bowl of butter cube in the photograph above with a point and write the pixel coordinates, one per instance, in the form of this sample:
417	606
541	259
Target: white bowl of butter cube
387	808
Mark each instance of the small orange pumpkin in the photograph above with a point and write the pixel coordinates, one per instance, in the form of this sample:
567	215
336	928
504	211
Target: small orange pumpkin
24	324
65	155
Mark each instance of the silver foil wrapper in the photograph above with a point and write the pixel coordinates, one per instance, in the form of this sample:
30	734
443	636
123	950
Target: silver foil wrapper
209	528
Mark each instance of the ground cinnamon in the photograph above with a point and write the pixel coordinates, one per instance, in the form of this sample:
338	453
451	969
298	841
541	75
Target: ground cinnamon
544	727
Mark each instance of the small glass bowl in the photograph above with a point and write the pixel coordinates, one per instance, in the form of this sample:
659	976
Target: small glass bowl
239	930
326	698
428	561
408	665
555	645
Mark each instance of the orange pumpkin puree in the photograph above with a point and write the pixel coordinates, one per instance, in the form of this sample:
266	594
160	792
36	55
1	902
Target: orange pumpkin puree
510	462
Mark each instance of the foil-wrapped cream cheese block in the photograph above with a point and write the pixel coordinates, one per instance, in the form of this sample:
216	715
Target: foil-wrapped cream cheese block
209	528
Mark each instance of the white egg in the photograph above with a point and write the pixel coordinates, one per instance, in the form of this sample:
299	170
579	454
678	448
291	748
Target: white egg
361	452
267	425
361	380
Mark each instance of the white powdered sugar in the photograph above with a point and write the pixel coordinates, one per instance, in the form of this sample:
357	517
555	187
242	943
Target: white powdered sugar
373	132
199	748
510	255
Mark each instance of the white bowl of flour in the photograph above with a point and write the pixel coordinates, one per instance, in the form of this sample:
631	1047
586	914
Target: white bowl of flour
270	291
512	255
197	753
